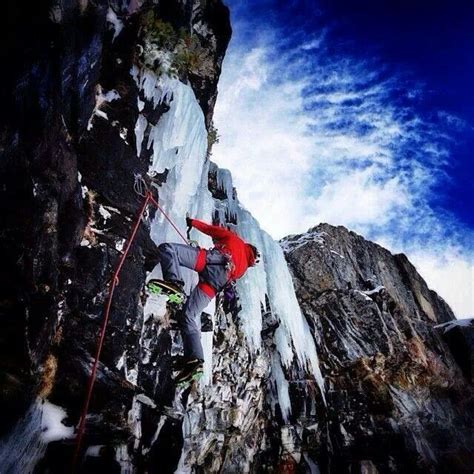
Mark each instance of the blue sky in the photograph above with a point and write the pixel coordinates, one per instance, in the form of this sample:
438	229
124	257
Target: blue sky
358	114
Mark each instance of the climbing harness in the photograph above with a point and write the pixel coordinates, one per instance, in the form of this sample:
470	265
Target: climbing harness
141	189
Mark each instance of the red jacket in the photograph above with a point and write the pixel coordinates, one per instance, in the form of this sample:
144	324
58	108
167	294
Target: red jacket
227	242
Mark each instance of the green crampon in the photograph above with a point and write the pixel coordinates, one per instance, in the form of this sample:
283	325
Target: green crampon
155	289
175	298
195	377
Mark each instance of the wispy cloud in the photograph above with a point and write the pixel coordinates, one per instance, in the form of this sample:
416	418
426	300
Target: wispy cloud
311	137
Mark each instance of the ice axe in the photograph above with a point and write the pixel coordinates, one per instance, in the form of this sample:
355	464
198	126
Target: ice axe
191	242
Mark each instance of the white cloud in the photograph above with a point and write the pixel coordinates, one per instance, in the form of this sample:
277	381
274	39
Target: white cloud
451	275
311	138
357	199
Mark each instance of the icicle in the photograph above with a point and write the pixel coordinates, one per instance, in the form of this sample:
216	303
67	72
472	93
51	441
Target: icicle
179	144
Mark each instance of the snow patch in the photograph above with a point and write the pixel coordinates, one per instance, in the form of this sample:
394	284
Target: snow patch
104	213
94	451
337	253
52	428
375	290
132	374
467	322
155	306
101	98
364	294
84	191
85	243
294	242
142	398
121	361
114	21
120	244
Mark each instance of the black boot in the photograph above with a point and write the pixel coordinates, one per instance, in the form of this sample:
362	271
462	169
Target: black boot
176	284
192	370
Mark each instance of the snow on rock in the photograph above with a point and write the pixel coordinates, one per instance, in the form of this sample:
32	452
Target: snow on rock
467	322
101	98
52	428
378	289
94	451
114	21
337	253
26	444
294	242
124	458
104	213
155	306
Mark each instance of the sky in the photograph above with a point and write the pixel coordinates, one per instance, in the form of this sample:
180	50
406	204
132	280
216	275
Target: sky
358	114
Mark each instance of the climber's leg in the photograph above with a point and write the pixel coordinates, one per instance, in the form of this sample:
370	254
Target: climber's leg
173	257
190	324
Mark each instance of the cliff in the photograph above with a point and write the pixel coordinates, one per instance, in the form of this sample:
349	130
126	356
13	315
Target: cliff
325	368
399	389
103	96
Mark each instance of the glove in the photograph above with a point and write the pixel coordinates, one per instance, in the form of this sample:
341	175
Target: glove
229	293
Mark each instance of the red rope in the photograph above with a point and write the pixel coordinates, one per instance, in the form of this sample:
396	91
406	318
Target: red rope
114	282
100	342
152	199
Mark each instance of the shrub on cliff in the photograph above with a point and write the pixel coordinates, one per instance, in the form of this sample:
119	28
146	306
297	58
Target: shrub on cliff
163	49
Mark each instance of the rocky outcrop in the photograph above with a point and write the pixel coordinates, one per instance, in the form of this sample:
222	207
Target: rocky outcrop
100	97
112	94
397	397
71	103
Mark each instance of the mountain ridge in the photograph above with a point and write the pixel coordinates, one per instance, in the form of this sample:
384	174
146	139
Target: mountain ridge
301	374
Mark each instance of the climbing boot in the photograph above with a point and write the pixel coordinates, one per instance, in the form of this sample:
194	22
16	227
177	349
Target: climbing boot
192	369
174	290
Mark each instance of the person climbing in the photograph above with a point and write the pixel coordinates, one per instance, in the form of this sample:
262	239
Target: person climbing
227	261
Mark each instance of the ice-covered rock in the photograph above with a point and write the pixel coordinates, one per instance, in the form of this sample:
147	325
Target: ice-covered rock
396	386
333	368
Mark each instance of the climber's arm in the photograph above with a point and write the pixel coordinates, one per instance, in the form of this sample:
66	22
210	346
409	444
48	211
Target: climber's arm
216	232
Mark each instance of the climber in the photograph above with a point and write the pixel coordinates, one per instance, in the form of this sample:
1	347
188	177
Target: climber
227	261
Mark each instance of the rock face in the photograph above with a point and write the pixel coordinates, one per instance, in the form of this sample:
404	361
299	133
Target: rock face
399	393
103	99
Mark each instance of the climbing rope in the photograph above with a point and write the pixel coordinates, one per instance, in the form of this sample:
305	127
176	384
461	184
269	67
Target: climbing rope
139	185
141	189
152	199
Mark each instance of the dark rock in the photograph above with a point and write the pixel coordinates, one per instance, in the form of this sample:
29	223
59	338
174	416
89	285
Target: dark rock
399	394
64	167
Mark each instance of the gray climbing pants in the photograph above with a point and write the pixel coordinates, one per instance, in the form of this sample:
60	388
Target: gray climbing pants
172	258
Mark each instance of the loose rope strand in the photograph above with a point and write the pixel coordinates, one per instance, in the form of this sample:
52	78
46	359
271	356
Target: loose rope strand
92	377
141	189
152	199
